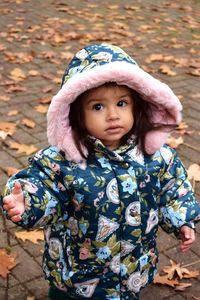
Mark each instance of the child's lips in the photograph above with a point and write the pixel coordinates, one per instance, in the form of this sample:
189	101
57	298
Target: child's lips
114	129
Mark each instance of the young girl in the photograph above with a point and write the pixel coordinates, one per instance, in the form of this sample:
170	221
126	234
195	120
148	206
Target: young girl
106	182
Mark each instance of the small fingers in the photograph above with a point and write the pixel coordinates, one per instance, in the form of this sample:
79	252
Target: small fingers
13	212
8	203
17	188
16	218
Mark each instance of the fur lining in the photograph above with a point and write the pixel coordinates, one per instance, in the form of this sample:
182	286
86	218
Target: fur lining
165	105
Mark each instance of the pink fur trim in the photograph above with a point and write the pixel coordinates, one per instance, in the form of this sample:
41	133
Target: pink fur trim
166	107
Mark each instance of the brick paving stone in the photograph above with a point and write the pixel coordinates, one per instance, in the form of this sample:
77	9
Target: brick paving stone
2	293
26	269
152	292
8	160
13	281
18	293
3	239
166	241
24	137
42	287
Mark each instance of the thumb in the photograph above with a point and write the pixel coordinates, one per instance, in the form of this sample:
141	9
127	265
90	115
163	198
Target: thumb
186	232
17	188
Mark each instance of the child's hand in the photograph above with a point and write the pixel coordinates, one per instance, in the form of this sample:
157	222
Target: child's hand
14	203
187	235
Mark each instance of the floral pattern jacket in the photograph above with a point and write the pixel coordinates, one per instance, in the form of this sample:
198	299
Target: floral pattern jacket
101	216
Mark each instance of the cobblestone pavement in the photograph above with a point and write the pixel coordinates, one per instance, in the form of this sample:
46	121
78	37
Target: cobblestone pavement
38	38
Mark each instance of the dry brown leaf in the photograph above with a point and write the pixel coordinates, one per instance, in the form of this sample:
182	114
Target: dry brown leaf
12	113
4	98
196	96
112	6
30	298
2	47
165	280
182	286
14	88
46	100
41	109
47	89
164	69
154	57
33	73
11	171
17	74
182	126
34	235
174	142
8	127
192	274
3	135
181	62
194	72
7	262
176	270
22	148
194	172
28	122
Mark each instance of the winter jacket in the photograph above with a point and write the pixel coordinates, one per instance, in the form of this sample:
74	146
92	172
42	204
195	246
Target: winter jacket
101	214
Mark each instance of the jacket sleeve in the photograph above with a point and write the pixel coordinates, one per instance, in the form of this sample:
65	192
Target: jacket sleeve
177	203
46	197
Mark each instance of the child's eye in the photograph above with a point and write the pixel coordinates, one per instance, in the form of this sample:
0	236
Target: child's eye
97	106
122	103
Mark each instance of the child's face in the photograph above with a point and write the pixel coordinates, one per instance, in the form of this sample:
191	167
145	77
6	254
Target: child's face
108	113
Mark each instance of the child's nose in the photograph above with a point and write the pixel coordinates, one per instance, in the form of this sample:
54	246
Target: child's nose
112	114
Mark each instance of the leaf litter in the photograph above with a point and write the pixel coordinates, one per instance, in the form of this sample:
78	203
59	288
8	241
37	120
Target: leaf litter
173	274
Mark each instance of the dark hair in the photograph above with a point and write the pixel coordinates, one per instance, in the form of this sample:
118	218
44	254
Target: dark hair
142	124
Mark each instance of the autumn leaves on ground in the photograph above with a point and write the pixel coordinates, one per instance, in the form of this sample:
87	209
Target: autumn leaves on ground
37	42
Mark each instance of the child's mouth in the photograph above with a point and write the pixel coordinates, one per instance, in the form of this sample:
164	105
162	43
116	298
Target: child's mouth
114	130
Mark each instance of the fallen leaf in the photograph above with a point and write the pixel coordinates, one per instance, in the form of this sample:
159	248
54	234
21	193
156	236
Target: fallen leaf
47	89
46	100
165	280
174	142
194	172
11	171
22	148
182	286
17	74
12	113
14	88
192	274
3	135
8	127
28	122
154	57
194	72
4	98
182	126
33	235
7	262
164	69
196	96
33	73
176	270
41	109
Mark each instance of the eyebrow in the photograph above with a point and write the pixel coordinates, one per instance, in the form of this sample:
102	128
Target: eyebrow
99	100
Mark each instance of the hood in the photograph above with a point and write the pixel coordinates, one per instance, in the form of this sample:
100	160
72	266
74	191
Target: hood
93	66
